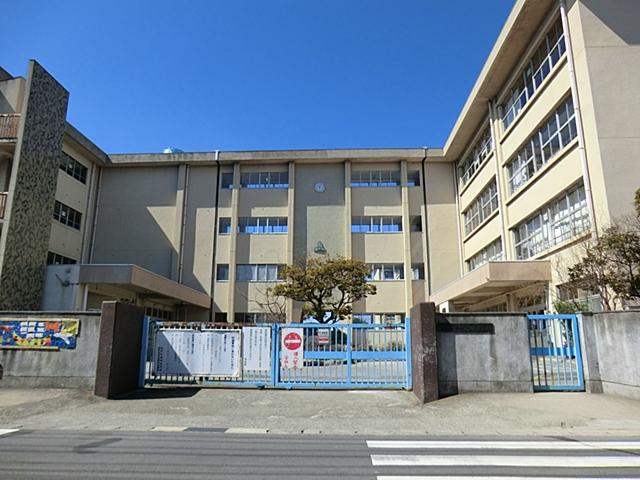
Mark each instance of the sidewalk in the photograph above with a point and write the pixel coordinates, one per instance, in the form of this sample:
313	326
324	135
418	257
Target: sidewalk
323	412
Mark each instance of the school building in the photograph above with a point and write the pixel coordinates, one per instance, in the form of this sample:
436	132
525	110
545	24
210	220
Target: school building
543	156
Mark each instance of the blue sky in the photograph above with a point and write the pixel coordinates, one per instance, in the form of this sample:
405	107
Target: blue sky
257	74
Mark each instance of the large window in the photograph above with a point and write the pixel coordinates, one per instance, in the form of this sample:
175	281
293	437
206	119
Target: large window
380	318
73	168
556	133
560	220
381	272
264	180
382	224
490	253
57	259
262	225
537	69
476	157
482	207
375	178
258	272
67	215
248	317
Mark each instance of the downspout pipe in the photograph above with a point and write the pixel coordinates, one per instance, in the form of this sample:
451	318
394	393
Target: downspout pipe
215	235
426	222
578	116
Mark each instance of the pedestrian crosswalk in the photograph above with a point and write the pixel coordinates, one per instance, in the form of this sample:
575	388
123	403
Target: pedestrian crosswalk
505	460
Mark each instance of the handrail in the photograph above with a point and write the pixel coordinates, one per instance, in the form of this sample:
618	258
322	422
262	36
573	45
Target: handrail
9	125
3	203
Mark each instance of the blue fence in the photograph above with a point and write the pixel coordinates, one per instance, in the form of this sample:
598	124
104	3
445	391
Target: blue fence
277	355
556	359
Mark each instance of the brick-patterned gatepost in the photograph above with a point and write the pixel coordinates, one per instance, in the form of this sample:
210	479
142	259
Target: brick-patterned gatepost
424	353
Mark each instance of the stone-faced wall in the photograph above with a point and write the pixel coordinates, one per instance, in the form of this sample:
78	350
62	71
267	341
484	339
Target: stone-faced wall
27	228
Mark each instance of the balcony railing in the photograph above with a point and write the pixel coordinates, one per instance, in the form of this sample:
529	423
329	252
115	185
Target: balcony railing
3	203
9	125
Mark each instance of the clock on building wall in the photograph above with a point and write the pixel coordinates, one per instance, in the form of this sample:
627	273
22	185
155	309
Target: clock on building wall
319	187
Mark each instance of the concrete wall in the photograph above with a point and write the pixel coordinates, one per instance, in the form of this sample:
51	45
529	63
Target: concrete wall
53	369
483	353
611	342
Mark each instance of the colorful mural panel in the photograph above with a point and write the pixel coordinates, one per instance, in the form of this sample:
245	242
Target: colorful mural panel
38	333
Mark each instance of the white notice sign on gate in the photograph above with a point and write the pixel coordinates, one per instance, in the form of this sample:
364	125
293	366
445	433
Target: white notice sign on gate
292	347
194	352
256	348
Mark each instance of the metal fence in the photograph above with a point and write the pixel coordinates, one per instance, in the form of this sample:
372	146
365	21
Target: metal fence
276	355
555	354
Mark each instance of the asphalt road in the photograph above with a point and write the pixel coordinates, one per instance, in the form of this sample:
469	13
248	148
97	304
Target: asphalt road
199	454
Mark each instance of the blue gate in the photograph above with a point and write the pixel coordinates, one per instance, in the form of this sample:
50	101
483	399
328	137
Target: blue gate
344	356
308	355
556	360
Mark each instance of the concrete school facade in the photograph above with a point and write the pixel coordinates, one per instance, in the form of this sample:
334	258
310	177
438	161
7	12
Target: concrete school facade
541	158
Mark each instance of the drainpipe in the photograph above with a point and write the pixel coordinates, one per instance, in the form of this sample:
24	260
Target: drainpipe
426	223
215	235
94	226
578	115
457	194
184	223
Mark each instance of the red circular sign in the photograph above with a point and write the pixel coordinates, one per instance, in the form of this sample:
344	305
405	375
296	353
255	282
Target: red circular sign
292	341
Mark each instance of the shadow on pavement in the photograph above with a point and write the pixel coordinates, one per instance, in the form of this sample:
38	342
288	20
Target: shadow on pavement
151	393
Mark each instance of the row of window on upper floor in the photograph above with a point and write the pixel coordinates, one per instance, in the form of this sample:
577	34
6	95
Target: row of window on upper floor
558	131
271	272
359	224
359	178
560	220
538	67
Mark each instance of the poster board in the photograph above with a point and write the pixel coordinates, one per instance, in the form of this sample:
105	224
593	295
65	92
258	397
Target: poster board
197	352
292	347
39	333
256	349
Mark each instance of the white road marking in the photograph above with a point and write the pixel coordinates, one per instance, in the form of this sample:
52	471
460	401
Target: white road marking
507	461
513	445
168	429
6	431
440	477
249	431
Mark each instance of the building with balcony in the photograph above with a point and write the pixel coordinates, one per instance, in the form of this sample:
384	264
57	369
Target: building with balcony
541	158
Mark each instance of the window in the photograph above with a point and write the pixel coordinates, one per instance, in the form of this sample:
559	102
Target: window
481	208
226	180
264	180
222	272
413	178
560	220
537	69
476	157
220	317
378	318
262	225
258	272
67	215
57	259
382	224
415	223
73	168
417	271
224	226
556	133
158	313
490	253
375	178
247	317
382	272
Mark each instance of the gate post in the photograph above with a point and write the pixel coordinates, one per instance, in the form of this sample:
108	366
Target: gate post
424	353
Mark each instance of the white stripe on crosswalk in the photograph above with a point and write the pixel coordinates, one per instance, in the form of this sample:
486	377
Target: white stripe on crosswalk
6	431
604	461
484	477
512	445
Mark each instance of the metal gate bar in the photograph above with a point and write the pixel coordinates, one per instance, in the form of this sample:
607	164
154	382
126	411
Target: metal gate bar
556	359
